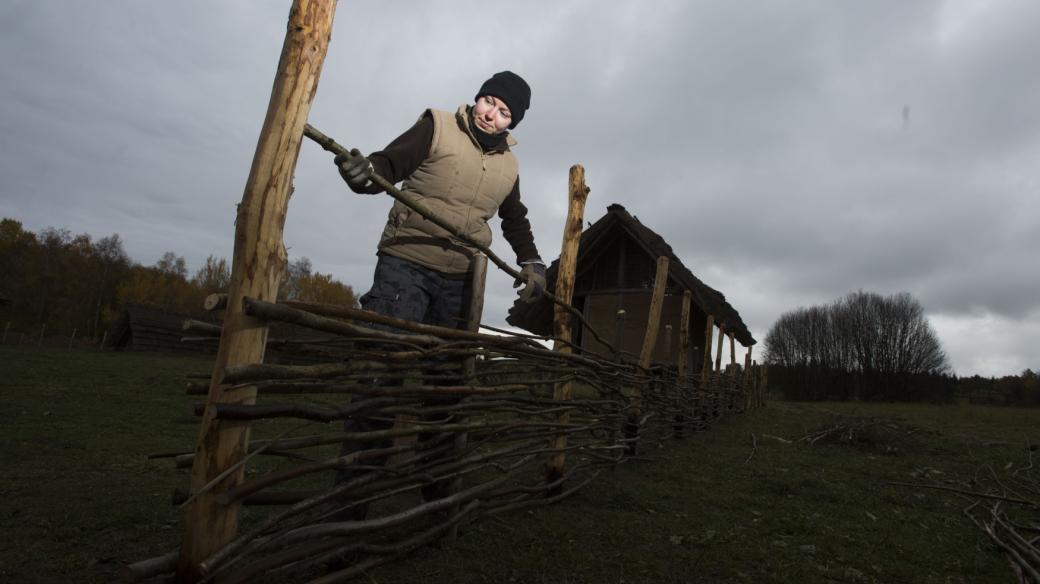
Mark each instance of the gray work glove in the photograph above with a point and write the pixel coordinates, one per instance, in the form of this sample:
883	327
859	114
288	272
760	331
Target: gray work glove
532	275
354	168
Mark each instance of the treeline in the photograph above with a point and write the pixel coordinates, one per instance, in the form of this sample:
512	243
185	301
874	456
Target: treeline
863	346
1010	390
64	283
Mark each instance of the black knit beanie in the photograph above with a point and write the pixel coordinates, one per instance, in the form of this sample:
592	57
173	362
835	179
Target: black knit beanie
510	88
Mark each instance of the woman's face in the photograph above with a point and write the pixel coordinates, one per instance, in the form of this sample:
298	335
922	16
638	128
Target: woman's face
491	114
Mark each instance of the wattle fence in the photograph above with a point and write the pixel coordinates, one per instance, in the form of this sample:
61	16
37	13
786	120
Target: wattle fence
447	426
468	428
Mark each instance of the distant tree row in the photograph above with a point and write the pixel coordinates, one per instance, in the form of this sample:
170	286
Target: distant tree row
1009	390
72	282
862	346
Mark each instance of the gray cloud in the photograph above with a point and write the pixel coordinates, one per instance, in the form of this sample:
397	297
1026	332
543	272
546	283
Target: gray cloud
769	146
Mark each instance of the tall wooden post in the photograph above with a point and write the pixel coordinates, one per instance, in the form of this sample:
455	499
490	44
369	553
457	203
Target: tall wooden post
474	314
684	337
478	282
717	395
257	270
718	352
754	380
653	320
619	331
646	354
709	332
746	377
680	365
763	389
732	401
577	194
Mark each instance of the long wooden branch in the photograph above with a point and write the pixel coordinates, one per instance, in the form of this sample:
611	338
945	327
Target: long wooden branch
400	323
245	542
284	313
332	146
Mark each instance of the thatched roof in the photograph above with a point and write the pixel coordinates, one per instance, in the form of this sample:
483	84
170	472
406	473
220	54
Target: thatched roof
537	316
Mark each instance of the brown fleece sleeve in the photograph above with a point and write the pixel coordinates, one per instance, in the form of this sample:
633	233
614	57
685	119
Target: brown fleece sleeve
515	226
401	157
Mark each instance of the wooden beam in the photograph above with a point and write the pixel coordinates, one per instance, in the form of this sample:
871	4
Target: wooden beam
763	389
653	324
577	194
684	337
682	360
619	298
754	381
732	350
258	268
475	312
709	332
478	282
749	397
653	319
718	352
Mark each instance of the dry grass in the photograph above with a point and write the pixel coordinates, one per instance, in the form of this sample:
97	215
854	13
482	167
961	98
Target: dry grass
78	497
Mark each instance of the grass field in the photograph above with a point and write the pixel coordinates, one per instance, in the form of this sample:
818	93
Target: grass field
744	502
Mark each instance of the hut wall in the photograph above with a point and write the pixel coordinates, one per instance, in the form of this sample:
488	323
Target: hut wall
621	264
626	333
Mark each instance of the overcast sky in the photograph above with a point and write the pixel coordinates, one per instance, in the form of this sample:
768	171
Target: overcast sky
790	152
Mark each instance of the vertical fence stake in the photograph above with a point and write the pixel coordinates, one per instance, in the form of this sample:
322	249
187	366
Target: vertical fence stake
72	339
577	194
684	337
474	314
733	379
619	332
681	364
7	327
717	376
709	332
43	328
718	352
746	381
764	387
703	395
653	319
754	381
258	268
104	338
646	354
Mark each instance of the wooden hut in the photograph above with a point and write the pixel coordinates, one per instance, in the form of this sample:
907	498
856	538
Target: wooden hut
617	261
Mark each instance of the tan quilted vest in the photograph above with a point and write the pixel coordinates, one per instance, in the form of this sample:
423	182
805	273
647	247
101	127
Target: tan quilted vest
459	183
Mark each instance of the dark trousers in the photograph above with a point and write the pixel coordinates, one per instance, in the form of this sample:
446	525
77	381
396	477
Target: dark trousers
405	290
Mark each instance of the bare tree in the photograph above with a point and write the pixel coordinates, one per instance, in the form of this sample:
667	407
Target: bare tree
864	334
213	276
